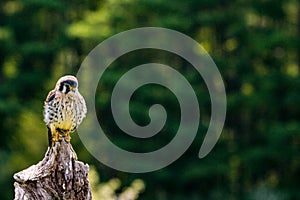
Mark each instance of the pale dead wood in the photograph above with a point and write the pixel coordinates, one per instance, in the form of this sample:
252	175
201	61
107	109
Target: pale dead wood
58	176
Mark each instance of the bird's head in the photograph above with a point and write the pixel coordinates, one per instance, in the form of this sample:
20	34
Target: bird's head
66	84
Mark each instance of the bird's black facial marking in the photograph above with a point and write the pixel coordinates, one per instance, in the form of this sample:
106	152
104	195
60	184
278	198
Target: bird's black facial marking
67	85
51	97
67	89
64	88
70	83
61	87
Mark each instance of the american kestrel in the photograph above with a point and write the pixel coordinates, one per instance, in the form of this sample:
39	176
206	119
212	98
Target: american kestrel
64	109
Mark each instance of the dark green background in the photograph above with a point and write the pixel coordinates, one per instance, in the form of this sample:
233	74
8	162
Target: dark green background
255	45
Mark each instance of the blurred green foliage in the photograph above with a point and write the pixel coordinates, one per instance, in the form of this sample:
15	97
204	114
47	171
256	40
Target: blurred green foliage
255	45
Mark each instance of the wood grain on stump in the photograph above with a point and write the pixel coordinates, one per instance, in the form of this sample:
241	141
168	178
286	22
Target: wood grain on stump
58	176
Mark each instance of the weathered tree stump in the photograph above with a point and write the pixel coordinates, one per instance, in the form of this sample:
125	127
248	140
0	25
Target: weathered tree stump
58	176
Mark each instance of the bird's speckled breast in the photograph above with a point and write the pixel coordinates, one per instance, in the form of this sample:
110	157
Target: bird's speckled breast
65	111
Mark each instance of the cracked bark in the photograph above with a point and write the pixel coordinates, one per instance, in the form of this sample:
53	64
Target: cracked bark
58	176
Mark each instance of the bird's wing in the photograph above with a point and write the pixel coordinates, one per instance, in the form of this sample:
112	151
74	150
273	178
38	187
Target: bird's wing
50	96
